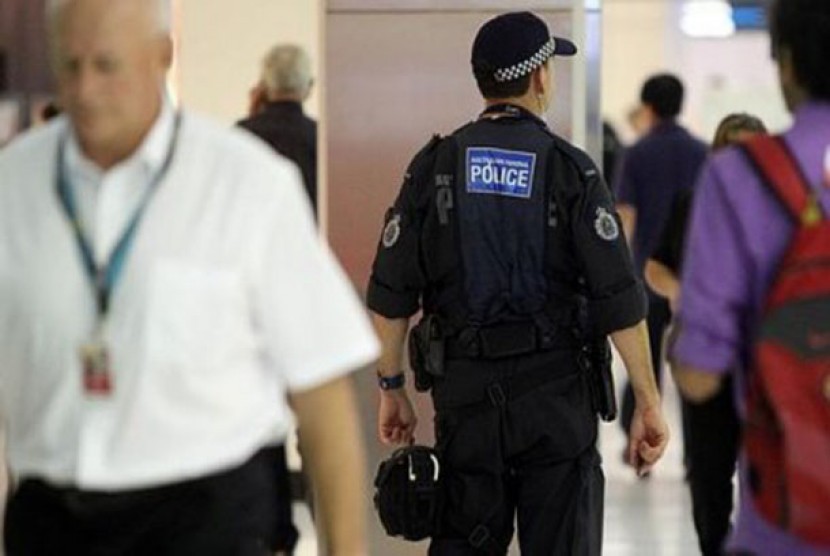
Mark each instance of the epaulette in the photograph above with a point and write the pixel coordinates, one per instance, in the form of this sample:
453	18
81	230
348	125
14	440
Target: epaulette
436	140
425	154
431	145
577	157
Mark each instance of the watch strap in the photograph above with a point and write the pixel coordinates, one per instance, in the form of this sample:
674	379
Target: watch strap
391	382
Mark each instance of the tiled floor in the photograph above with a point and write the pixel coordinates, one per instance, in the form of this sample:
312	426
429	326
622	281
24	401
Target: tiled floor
649	517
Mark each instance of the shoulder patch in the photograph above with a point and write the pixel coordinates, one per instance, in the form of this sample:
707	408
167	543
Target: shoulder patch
500	172
606	226
392	231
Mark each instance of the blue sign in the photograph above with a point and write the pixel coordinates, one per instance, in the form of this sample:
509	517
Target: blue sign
500	172
749	18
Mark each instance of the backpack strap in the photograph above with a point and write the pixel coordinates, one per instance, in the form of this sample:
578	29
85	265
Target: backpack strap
782	175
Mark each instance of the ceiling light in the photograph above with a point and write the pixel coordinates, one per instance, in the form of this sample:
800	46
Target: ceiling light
707	19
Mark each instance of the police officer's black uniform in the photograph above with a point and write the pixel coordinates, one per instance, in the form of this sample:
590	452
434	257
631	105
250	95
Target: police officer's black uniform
505	235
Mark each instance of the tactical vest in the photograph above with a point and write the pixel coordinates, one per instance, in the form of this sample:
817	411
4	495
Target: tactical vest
495	239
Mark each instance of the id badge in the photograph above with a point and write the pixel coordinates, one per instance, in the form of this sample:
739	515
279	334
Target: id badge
95	362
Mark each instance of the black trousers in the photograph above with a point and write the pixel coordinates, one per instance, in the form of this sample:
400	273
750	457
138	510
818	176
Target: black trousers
531	458
659	316
712	446
239	512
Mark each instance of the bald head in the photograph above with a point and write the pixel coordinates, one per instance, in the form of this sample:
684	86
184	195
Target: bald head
110	59
158	11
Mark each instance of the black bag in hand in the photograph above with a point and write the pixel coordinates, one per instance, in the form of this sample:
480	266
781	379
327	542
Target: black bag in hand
408	493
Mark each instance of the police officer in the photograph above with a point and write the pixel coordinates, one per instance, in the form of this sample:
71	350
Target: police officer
506	236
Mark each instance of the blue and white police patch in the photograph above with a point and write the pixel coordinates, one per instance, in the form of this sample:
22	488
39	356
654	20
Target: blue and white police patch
606	226
392	231
500	172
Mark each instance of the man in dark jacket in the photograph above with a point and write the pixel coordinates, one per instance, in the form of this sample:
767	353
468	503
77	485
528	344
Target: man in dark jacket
654	171
276	113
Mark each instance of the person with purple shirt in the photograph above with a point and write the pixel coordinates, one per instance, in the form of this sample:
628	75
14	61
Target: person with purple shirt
661	165
738	234
712	433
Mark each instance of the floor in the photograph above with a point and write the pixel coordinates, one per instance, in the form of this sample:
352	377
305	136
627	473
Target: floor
643	517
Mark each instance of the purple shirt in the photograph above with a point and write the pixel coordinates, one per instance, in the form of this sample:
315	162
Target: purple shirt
737	236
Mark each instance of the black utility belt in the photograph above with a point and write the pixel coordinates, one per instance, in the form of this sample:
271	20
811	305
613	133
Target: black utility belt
465	396
509	339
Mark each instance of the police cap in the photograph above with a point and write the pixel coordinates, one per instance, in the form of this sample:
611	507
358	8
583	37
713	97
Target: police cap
514	44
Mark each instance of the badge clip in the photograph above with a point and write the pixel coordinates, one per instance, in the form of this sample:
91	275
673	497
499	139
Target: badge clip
95	363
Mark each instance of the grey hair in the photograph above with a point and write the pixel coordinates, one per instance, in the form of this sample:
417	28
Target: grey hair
163	13
286	69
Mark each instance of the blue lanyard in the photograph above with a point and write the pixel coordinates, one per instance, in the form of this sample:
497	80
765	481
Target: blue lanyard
105	278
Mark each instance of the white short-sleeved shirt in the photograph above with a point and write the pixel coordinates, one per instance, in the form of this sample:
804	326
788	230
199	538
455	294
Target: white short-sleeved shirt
227	301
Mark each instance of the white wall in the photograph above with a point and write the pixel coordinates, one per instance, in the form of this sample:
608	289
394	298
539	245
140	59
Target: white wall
221	45
641	37
733	75
635	44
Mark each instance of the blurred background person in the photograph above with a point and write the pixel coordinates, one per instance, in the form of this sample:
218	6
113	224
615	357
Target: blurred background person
712	428
276	111
276	115
743	223
654	170
165	303
50	111
612	151
640	119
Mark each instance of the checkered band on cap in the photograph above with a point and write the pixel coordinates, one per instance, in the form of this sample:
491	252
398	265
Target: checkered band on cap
526	66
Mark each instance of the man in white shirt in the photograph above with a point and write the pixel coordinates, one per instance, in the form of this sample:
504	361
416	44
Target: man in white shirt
163	296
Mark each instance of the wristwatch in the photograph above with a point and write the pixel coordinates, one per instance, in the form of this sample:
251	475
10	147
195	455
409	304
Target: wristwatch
391	382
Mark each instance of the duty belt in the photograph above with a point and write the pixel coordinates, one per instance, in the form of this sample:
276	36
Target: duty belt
508	339
448	395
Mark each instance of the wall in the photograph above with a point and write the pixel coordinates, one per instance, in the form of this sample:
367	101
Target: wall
736	75
385	111
23	37
641	37
221	45
635	43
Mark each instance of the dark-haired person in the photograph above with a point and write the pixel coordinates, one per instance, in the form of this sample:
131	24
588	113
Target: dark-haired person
612	151
502	233
654	170
737	236
50	111
710	435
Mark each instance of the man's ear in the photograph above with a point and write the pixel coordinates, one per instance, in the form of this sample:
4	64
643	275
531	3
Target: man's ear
649	114
167	51
308	91
538	79
786	68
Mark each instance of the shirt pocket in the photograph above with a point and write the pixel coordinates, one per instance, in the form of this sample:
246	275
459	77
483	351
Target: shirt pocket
198	316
